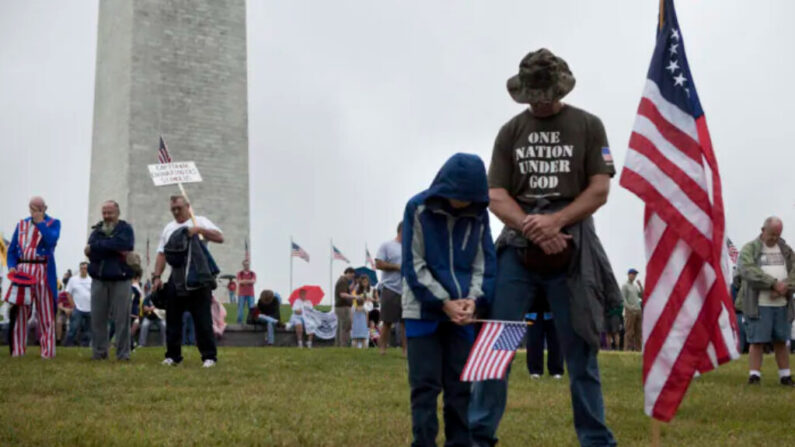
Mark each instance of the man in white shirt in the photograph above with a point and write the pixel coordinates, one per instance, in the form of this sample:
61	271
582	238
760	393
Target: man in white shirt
197	301
79	291
765	297
388	259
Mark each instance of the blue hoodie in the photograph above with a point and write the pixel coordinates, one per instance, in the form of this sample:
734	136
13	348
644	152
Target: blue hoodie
448	253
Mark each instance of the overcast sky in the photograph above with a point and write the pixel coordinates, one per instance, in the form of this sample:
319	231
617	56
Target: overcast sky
354	105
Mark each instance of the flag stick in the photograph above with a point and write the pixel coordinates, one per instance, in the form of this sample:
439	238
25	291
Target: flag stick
190	208
655	433
662	10
291	266
528	323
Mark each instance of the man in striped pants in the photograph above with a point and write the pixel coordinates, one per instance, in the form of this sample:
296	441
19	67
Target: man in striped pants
31	253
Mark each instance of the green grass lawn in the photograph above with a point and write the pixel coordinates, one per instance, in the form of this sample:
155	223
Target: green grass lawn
342	397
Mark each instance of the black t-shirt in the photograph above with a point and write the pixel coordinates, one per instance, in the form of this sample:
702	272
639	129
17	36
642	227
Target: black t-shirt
343	286
550	158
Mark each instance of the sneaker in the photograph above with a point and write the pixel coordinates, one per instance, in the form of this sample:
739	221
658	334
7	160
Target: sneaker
787	381
208	363
756	380
535	376
169	362
557	377
309	344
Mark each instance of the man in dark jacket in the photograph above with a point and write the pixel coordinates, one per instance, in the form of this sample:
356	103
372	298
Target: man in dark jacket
448	265
110	243
550	171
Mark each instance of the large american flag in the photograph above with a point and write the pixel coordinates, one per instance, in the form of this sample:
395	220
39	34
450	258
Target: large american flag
337	254
162	152
493	350
688	325
298	252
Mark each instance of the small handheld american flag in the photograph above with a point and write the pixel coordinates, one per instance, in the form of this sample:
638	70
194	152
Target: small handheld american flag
299	252
368	259
493	351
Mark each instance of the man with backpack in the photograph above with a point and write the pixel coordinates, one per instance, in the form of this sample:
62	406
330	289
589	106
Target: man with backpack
191	282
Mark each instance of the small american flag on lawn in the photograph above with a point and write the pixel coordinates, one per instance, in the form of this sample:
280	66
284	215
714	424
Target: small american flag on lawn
299	252
733	252
493	351
162	152
338	254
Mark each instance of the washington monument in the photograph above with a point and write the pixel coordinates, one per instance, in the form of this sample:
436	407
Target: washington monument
176	69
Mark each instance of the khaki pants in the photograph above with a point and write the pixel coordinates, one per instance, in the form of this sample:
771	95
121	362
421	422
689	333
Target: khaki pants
343	327
633	320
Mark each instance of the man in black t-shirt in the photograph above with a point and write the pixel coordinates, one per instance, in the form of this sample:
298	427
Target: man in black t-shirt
550	171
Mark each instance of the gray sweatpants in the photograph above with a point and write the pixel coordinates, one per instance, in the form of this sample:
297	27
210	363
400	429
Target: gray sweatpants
110	300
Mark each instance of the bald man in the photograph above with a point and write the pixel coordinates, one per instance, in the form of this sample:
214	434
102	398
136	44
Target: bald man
765	297
31	252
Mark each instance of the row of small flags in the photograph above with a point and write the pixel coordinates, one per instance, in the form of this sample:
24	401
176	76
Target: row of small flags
336	254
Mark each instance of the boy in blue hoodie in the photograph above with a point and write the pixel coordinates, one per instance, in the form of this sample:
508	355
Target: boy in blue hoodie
448	267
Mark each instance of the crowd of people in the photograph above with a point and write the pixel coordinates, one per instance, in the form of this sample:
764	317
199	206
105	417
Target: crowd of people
550	171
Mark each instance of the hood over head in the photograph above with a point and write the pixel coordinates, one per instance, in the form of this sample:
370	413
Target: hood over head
462	177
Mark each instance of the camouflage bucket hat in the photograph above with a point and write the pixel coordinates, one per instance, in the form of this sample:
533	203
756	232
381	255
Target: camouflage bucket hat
543	77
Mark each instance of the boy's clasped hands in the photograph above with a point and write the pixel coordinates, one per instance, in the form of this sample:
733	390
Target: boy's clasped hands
460	311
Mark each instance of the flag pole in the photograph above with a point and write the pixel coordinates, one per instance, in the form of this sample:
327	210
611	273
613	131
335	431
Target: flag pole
655	432
330	272
655	424
291	267
526	323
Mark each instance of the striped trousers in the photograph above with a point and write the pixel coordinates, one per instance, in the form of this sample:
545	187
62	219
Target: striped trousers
45	314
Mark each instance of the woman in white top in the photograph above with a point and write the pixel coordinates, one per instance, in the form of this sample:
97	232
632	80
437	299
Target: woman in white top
365	297
297	318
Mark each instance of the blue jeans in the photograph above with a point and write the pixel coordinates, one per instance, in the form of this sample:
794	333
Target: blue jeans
516	290
243	303
435	364
144	331
232	299
743	343
79	321
270	322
